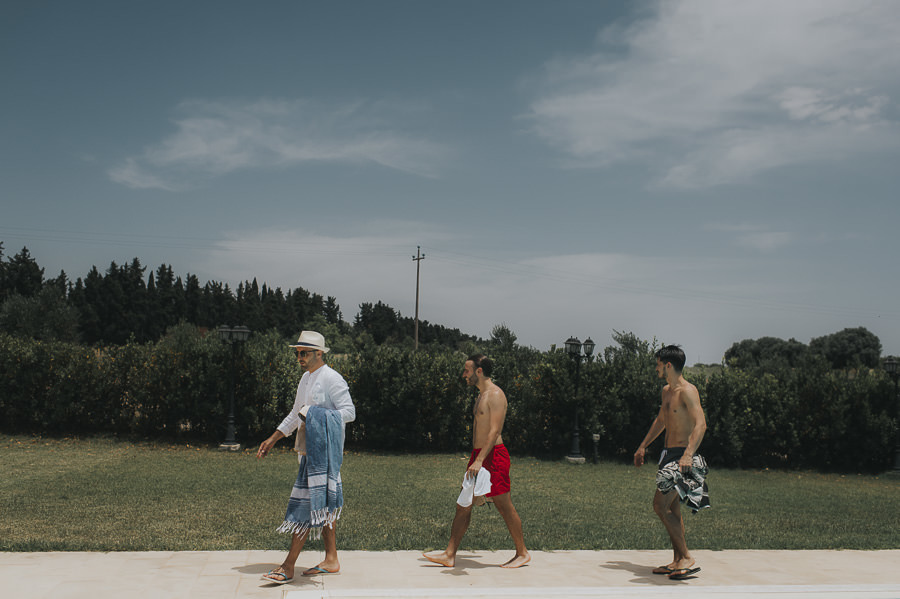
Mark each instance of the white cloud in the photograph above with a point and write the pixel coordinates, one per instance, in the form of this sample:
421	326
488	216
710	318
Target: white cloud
367	262
216	138
852	106
130	174
711	92
754	237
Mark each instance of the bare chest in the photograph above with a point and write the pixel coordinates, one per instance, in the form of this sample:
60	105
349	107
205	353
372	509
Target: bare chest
478	408
677	420
672	406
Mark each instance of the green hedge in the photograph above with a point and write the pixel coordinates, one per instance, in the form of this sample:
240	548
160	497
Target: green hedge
806	417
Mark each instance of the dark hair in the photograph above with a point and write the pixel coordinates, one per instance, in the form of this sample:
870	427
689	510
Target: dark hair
484	363
673	354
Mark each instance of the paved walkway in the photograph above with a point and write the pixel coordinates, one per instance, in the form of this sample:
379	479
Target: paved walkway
405	574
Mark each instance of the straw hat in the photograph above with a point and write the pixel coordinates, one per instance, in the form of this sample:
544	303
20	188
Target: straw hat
311	340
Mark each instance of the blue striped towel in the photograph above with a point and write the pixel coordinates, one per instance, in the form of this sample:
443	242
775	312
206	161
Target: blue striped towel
317	497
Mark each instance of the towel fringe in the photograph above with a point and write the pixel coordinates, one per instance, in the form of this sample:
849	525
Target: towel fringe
294	528
320	519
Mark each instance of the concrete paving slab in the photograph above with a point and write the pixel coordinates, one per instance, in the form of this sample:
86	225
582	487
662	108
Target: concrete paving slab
406	574
846	592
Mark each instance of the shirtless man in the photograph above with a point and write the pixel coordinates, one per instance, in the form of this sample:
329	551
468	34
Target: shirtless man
681	416
489	453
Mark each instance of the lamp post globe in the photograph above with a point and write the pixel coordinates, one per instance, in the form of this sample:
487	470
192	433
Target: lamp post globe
588	346
891	367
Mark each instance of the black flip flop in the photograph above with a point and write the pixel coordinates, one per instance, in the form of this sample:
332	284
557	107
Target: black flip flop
682	573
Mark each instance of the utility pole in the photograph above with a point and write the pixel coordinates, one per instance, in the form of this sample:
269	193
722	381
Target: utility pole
418	260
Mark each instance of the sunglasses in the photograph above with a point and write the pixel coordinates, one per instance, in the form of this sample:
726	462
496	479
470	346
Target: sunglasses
306	352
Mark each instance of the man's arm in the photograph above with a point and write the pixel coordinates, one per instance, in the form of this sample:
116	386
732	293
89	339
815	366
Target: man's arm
495	411
691	399
267	445
291	422
339	393
658	426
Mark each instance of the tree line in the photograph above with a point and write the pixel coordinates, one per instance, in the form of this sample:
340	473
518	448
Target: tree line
810	416
847	349
89	357
126	302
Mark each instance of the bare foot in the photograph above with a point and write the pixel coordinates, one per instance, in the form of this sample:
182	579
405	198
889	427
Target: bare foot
518	561
683	564
440	557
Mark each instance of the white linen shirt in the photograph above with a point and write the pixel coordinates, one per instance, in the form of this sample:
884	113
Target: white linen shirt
325	388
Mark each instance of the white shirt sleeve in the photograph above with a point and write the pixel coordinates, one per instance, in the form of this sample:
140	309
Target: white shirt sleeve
289	424
338	392
292	420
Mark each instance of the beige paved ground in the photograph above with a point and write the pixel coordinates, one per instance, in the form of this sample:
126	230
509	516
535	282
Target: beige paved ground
236	575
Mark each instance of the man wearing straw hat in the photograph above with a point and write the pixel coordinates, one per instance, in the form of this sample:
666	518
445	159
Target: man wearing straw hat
321	410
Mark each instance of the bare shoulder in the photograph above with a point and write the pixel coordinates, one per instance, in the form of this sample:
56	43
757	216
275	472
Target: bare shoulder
688	393
495	395
665	393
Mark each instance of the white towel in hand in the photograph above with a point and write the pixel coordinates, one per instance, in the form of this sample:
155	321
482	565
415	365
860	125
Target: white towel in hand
477	486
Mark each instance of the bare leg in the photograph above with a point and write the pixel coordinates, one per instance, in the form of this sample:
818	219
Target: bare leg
668	508
287	566
506	508
457	530
330	564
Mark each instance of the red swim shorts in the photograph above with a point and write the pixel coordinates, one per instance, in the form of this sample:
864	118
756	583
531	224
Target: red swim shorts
497	463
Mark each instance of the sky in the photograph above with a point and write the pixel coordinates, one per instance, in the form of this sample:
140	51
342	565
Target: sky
694	172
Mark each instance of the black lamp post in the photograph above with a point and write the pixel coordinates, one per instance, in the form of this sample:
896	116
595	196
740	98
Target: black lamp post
574	348
891	367
233	337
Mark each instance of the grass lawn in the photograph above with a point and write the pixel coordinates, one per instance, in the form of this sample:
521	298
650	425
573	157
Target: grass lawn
108	495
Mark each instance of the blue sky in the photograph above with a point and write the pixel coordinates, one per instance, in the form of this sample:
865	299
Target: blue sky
694	172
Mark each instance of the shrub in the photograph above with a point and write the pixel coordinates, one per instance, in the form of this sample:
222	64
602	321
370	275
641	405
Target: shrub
809	416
